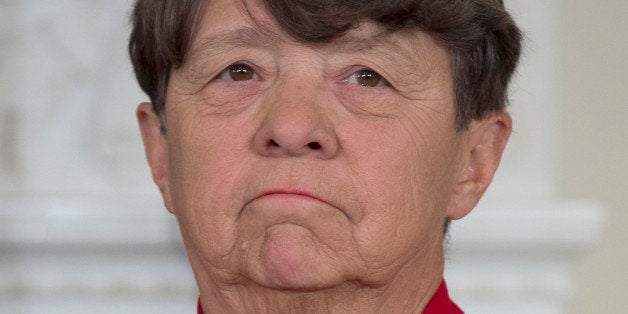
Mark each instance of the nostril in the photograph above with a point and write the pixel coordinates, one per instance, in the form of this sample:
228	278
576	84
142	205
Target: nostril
314	145
273	143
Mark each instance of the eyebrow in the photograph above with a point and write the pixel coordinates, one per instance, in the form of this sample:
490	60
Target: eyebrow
256	38
352	43
241	37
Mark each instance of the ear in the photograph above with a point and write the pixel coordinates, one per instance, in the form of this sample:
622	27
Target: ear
156	149
482	148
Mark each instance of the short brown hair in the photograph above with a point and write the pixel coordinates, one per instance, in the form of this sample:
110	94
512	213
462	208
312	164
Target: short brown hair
482	39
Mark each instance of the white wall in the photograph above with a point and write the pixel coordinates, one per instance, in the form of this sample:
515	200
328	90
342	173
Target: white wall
593	146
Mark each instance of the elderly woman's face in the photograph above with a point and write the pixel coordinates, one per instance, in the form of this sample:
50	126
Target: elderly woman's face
304	166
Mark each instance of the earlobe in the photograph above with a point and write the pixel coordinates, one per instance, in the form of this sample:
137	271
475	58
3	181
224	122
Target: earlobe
156	149
484	144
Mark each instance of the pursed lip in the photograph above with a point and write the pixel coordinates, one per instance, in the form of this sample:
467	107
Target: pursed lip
279	192
292	192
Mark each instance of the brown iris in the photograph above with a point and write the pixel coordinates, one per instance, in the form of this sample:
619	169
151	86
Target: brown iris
368	78
240	72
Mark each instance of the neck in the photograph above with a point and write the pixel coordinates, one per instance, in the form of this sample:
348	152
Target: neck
408	291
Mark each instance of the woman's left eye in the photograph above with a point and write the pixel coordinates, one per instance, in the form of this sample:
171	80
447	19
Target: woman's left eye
367	78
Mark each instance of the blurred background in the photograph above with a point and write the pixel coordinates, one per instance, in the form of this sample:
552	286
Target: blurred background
82	228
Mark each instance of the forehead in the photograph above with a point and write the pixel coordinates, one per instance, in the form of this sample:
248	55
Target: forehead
223	15
247	23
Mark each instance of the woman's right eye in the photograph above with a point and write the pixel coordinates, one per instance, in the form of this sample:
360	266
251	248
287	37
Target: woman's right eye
238	72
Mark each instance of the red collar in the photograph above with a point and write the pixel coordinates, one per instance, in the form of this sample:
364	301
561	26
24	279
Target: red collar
439	304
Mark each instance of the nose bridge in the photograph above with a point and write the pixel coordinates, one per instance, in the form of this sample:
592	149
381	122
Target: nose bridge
296	121
297	99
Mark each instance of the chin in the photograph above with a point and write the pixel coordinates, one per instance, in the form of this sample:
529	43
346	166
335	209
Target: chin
303	281
291	258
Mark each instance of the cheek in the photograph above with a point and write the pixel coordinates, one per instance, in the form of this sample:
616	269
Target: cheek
207	156
207	151
403	174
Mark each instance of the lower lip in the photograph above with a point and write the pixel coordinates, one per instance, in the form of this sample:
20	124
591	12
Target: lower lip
282	203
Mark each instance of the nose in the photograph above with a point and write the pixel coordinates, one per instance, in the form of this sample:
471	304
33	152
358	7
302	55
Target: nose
295	124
